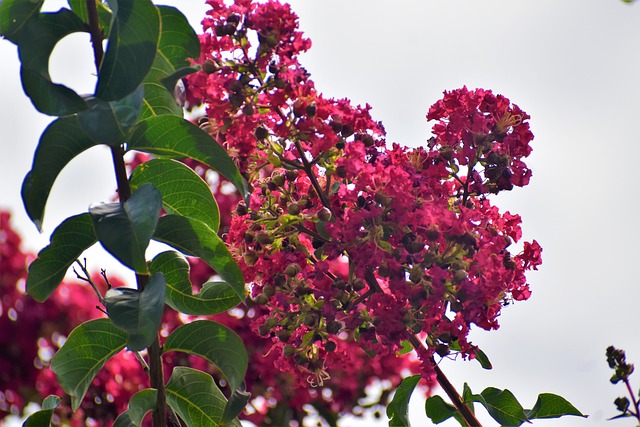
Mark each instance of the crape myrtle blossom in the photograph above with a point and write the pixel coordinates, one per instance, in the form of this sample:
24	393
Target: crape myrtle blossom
347	241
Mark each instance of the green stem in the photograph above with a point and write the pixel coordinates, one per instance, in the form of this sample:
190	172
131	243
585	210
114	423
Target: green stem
156	376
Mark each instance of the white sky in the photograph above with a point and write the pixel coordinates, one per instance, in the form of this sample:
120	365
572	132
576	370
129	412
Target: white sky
572	65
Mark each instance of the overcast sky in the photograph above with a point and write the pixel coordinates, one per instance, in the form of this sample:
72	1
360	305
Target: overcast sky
573	65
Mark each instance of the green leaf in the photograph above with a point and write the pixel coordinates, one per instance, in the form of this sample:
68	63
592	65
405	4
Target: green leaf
398	408
193	237
214	297
177	138
109	122
36	42
183	191
43	417
72	237
14	15
502	405
140	404
482	358
552	406
61	141
79	7
133	41
83	354
438	410
139	313
125	229
214	342
406	348
196	398
236	404
178	42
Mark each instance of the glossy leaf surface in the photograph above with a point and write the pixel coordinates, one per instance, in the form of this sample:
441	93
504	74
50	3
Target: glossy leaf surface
552	406
125	229
43	416
14	15
398	408
214	297
139	313
177	138
109	122
140	404
183	191
83	354
72	237
192	237
178	42
133	41
61	141
214	342
196	398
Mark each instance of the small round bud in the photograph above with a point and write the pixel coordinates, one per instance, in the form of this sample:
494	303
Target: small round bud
261	133
292	269
333	326
241	209
262	299
291	175
249	236
264	330
278	179
263	237
383	199
346	131
309	319
330	346
250	257
357	285
293	208
442	350
311	110
324	214
283	335
288	350
247	110
209	66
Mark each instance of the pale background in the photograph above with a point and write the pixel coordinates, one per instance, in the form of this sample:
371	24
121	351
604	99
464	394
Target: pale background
573	65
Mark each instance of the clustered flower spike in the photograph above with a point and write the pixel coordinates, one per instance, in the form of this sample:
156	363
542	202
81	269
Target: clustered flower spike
348	242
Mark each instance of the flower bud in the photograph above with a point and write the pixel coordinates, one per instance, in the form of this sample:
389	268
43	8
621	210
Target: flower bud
210	66
293	208
432	234
442	350
283	335
292	269
324	214
249	236
262	299
263	237
278	179
241	209
459	276
247	110
250	257
311	110
330	346
357	285
261	133
333	326
309	319
264	330
288	350
346	131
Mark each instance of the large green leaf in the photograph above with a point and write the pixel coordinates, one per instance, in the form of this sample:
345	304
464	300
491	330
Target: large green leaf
61	141
196	398
109	122
214	297
125	229
35	43
398	408
133	41
502	405
438	410
183	191
177	138
193	237
83	354
214	342
552	406
178	42
140	404
138	312
43	416
14	15
72	237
